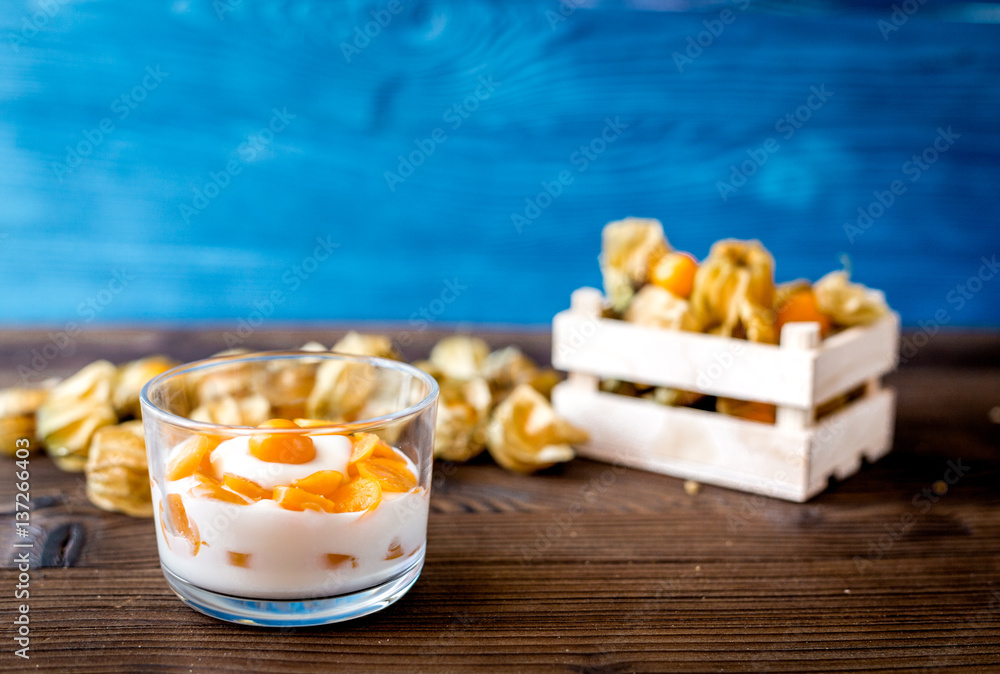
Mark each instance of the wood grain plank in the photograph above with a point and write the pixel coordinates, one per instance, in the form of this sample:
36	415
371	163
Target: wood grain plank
588	567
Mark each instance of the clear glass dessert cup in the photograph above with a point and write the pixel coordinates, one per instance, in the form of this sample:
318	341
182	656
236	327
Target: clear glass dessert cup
290	488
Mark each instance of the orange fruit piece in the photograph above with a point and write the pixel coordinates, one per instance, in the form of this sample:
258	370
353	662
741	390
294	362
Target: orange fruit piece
356	495
384	451
391	475
334	560
245	487
178	523
293	498
241	559
675	272
323	482
364	445
801	307
192	453
395	550
282	448
208	487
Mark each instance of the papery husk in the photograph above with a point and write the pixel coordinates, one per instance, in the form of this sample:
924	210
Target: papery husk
734	291
18	405
463	411
251	410
129	380
288	383
117	474
430	368
373	346
73	411
343	388
655	307
545	381
507	367
19	401
221	381
460	356
525	435
848	304
629	250
17	428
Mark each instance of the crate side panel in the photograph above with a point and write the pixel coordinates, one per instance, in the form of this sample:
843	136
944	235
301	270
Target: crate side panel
688	443
847	360
862	429
707	363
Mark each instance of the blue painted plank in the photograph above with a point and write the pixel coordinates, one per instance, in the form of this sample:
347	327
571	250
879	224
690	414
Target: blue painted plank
208	212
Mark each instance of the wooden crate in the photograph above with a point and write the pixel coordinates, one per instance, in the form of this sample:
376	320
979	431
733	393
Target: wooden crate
792	459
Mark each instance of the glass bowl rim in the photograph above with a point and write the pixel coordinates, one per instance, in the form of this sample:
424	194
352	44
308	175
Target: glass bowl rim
177	420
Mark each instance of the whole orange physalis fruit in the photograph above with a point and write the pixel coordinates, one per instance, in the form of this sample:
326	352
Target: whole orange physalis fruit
801	307
675	272
282	447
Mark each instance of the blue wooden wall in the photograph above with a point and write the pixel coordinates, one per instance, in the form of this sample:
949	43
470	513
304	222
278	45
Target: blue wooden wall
197	160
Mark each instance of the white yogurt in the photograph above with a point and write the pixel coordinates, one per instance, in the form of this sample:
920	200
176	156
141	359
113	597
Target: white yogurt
262	550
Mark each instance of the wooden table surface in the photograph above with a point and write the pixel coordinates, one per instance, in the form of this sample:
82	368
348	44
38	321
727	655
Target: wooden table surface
585	568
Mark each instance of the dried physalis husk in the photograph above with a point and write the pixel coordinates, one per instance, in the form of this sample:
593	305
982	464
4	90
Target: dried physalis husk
72	412
545	381
847	303
734	290
117	474
375	346
507	367
17	415
130	379
463	411
430	368
343	388
251	410
13	429
525	434
658	308
629	250
288	383
222	381
460	356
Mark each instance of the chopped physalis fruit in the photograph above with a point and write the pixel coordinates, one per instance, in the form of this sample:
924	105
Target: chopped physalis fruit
391	475
192	453
323	483
210	488
675	272
363	447
245	487
801	307
334	560
177	522
282	448
240	559
356	495
293	498
395	550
